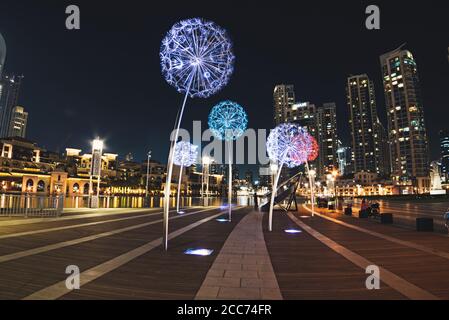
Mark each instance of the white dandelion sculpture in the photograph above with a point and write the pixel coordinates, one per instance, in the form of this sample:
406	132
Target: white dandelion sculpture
287	144
185	156
197	59
228	121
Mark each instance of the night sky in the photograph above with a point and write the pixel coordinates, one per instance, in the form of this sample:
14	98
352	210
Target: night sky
105	79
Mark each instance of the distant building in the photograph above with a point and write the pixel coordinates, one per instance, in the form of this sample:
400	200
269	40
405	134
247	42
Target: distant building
305	115
444	146
327	137
406	125
18	123
367	133
249	177
9	98
129	157
2	55
265	176
283	100
344	160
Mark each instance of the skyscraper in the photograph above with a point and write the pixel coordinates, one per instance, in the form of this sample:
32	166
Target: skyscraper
2	55
367	133
406	126
327	137
10	87
283	100
18	124
444	146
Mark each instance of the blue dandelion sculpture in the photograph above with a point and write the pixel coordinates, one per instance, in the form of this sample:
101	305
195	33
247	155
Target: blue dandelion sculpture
185	156
228	121
196	59
290	145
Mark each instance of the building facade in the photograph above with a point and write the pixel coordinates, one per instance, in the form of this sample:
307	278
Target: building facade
367	133
18	123
10	88
283	100
406	126
327	138
444	147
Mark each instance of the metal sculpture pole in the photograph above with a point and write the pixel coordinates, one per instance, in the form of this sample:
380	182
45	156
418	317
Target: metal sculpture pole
230	181
179	188
312	187
273	195
170	171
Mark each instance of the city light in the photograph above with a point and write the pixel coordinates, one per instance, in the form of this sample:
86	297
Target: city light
292	231
97	144
199	252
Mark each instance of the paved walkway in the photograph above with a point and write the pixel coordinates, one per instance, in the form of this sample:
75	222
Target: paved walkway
243	269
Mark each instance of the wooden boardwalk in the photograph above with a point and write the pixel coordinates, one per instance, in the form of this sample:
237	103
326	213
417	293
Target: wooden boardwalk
120	257
423	271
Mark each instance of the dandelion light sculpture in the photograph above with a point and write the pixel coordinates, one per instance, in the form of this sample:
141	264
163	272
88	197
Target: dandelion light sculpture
197	59
228	121
288	144
185	156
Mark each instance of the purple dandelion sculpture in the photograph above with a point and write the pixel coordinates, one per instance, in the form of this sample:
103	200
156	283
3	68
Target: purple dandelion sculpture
185	156
228	121
287	144
197	59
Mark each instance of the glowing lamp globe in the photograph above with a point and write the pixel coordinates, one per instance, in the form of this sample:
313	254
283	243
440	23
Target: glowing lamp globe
314	150
228	120
185	154
196	57
288	144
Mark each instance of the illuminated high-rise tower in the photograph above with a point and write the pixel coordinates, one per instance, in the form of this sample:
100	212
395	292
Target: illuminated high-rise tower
369	149
283	100
444	145
10	87
406	127
327	137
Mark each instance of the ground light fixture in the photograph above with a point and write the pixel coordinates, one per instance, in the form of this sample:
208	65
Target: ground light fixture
292	231
199	252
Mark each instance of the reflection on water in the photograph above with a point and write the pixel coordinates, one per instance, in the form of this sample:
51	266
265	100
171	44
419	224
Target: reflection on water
154	202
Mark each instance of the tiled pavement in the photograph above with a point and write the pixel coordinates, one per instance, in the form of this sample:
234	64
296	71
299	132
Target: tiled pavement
243	269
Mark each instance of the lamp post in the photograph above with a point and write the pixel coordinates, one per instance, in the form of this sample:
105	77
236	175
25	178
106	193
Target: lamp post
206	161
334	184
311	174
148	175
95	171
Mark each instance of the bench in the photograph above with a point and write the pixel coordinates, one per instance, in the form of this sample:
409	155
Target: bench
424	224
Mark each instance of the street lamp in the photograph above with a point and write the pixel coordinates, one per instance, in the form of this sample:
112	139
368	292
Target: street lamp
148	175
206	163
95	170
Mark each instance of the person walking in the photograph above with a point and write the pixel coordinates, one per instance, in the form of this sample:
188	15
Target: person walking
256	201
